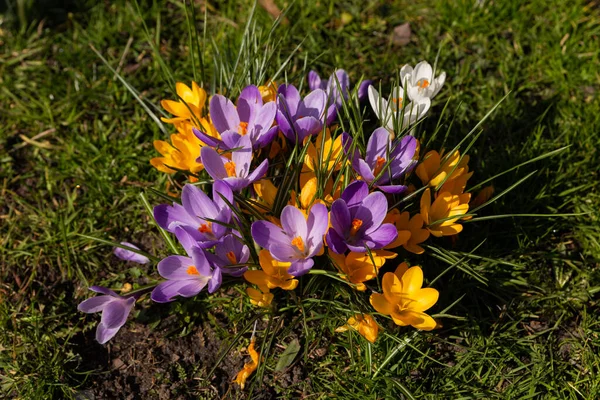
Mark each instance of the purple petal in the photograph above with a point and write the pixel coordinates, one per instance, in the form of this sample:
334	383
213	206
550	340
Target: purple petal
166	291
340	216
200	262
377	146
115	313
168	217
259	172
288	100
307	126
225	191
129	255
392	189
94	304
377	205
339	78
236	184
187	240
175	268
381	237
317	224
223	114
213	163
263	121
313	105
314	80
266	138
355	193
231	140
266	234
248	103
103	290
104	334
209	140
215	283
197	203
363	170
301	267
242	157
283	122
335	242
363	89
294	223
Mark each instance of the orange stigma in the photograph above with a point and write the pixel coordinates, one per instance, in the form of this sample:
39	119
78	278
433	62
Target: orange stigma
231	257
205	228
423	83
356	224
230	168
243	128
299	243
398	102
192	270
378	165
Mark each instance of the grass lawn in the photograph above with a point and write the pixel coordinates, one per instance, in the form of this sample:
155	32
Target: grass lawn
75	145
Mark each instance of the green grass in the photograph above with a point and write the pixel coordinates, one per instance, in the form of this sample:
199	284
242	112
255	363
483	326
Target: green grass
528	328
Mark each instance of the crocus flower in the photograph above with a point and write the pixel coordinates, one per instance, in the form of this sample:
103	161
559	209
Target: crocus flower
438	216
385	159
186	275
250	367
356	267
129	255
189	107
436	169
297	240
260	298
410	231
235	172
364	324
273	274
403	298
114	308
197	212
251	118
182	152
356	221
394	113
420	82
324	155
230	251
300	118
330	86
268	91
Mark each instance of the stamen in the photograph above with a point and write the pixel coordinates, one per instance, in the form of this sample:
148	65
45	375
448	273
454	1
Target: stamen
205	228
230	168
423	83
299	243
192	270
243	128
398	102
231	257
356	224
378	165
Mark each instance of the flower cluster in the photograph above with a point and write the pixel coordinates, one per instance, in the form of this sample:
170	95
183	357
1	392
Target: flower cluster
292	194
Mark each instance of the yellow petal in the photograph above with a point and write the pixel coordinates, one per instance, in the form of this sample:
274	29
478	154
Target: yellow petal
412	280
424	299
425	205
380	304
417	319
392	287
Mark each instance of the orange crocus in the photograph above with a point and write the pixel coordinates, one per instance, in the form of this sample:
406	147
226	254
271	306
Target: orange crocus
364	324
441	216
433	172
273	274
250	367
190	105
411	227
404	299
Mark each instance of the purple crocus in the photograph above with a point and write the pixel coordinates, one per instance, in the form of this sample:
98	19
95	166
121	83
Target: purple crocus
129	255
298	118
197	213
385	159
356	221
250	118
186	276
230	251
297	240
235	173
114	308
334	99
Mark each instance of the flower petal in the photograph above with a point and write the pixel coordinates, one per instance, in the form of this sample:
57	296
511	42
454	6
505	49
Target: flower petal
95	304
129	255
223	114
213	163
301	267
381	304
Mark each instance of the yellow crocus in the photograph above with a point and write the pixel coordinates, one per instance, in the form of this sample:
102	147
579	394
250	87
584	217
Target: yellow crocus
190	106
260	298
250	367
356	267
404	299
364	324
325	154
266	192
181	153
410	228
438	216
268	92
273	274
433	172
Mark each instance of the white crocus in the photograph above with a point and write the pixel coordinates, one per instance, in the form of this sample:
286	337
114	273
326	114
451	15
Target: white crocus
420	82
395	112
